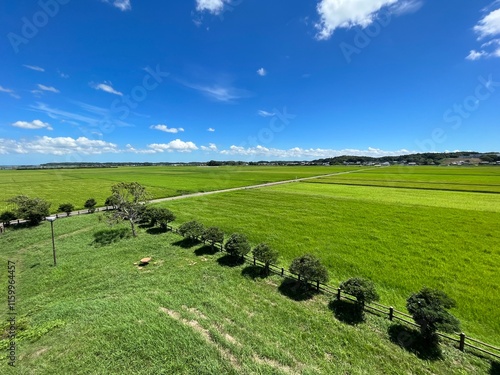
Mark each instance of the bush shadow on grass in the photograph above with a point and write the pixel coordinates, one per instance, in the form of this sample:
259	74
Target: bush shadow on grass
347	312
412	341
495	368
296	290
186	243
206	250
155	231
109	236
254	272
229	260
21	226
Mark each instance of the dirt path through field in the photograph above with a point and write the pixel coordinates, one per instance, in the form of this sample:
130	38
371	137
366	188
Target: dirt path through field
252	186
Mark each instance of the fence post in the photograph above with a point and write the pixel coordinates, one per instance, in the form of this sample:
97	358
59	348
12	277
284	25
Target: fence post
254	261
282	272
317	285
462	342
339	291
299	277
391	313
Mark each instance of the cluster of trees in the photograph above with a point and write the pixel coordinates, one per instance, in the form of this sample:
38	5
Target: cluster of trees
422	158
35	210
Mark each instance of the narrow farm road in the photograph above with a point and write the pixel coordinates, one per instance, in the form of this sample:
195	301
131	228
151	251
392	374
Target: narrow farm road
252	186
83	212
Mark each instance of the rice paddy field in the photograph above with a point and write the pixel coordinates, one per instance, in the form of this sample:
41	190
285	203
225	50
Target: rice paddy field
77	185
401	238
190	312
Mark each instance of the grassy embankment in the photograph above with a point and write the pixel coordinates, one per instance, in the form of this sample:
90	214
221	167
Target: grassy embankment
185	313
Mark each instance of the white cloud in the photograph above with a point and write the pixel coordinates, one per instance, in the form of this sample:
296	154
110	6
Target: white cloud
10	92
166	129
123	5
488	27
35	124
265	113
101	118
262	72
475	55
210	130
298	153
106	87
48	88
36	68
221	93
346	14
57	146
174	146
211	147
63	75
406	6
212	6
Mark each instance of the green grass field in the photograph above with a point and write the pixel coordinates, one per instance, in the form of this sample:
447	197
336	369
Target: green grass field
479	179
187	312
77	185
402	239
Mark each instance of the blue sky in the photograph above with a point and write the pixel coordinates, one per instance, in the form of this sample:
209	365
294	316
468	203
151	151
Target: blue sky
195	80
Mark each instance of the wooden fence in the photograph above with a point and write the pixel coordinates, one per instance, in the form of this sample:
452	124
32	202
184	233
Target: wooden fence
461	340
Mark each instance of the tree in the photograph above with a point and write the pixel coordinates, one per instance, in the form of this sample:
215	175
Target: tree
112	201
362	289
213	235
429	310
158	216
130	199
308	267
90	205
32	209
266	255
191	229
163	217
6	217
237	245
66	207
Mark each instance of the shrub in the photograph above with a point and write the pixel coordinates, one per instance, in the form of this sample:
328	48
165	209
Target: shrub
429	310
266	255
6	217
66	207
32	209
213	235
191	229
362	289
237	245
90	205
308	267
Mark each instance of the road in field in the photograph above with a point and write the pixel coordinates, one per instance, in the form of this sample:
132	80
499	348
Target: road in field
83	212
252	186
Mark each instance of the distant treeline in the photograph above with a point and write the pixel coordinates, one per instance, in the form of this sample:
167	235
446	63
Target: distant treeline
428	158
